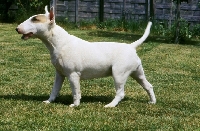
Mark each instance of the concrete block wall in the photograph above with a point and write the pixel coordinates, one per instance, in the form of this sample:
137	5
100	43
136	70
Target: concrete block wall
134	9
89	9
165	10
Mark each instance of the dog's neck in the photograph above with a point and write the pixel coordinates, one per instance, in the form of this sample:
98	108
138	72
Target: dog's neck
52	37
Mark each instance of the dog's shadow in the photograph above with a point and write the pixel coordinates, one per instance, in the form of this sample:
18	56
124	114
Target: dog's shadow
62	99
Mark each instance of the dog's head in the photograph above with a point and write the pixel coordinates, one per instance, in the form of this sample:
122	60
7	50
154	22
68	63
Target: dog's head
37	24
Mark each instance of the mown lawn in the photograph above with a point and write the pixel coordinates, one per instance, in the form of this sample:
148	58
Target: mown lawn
27	77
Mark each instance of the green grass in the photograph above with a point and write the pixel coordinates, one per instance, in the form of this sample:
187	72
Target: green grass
27	77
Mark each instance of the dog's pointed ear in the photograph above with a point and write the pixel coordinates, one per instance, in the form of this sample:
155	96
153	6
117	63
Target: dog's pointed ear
46	10
51	15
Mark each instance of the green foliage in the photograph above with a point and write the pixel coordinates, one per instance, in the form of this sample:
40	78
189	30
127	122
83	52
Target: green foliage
66	24
186	31
160	29
121	25
196	30
27	8
113	25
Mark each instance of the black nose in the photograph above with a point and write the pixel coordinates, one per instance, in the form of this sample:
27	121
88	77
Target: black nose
16	29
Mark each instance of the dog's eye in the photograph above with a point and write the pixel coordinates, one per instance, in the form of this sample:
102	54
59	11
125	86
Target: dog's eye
34	19
39	19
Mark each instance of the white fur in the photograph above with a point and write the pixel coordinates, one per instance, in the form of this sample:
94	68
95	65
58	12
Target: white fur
78	59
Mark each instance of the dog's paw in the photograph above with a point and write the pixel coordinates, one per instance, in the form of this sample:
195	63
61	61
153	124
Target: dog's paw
47	101
109	106
152	102
76	103
72	105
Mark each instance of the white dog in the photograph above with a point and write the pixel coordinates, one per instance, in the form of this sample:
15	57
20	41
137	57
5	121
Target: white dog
78	59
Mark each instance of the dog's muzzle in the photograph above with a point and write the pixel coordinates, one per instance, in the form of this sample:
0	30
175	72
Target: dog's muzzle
25	36
17	30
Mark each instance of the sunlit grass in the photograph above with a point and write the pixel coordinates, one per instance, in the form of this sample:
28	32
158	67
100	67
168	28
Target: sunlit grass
27	77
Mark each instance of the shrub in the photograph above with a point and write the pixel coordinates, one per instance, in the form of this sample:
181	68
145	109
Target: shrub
186	31
26	8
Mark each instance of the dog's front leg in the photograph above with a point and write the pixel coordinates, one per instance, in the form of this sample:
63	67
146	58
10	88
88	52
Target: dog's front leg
59	79
74	79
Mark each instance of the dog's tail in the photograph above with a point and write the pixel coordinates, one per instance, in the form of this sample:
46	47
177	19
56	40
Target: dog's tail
143	38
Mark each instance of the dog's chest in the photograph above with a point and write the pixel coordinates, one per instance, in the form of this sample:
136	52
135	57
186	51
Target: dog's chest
56	60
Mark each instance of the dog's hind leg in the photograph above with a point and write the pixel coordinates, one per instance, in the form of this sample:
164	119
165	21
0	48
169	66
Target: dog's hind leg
120	80
139	76
74	79
59	79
